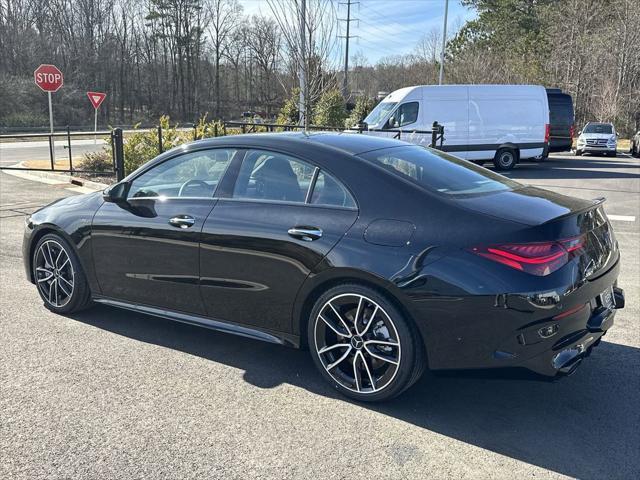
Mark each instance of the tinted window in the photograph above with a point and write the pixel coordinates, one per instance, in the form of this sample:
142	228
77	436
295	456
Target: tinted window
439	172
195	174
273	176
406	114
598	128
328	191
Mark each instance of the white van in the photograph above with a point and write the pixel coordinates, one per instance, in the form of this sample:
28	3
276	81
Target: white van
502	123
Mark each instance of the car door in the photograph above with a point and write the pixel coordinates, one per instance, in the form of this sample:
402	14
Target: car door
146	251
260	245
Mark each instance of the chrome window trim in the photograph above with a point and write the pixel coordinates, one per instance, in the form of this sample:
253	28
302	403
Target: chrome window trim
283	202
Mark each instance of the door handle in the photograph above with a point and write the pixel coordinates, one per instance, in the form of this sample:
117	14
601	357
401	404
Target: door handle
182	221
308	234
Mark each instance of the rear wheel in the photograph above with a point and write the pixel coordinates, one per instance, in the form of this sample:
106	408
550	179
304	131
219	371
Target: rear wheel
363	345
505	159
58	274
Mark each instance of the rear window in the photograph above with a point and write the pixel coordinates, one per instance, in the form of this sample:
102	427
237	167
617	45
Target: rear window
598	128
438	172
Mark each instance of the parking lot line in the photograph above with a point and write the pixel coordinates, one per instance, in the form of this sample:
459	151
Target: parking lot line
622	218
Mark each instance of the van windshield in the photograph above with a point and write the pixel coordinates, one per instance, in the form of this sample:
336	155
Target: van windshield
379	113
439	172
598	128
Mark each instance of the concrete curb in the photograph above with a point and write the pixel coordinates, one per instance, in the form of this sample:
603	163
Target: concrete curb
56	179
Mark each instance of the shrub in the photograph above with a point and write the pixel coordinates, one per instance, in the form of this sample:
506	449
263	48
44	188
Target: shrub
289	114
330	110
100	161
361	109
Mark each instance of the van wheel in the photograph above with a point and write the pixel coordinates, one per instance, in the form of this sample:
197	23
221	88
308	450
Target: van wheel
505	159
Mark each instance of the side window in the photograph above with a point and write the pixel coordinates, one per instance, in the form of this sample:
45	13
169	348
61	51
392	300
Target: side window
273	176
194	174
406	114
328	191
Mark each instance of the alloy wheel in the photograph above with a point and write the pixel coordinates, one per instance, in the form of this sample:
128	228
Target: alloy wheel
357	343
54	273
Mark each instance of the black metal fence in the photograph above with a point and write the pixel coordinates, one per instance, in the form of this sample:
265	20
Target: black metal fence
116	138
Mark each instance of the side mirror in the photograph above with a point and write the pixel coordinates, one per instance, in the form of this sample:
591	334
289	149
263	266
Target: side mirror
116	193
391	123
580	132
617	134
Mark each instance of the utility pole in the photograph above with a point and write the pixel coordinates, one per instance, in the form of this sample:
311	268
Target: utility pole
345	84
444	41
303	64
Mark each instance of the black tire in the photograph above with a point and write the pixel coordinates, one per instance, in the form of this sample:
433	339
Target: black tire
62	284
578	153
613	154
505	159
384	379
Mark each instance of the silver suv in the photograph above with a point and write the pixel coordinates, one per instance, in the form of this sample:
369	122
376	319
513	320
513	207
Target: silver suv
599	138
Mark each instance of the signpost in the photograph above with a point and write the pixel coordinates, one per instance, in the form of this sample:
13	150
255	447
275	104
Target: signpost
49	78
96	99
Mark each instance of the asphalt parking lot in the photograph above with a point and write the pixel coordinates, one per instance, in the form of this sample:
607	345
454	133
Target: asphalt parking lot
114	394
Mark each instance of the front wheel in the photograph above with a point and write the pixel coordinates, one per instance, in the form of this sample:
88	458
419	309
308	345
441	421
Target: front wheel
505	159
363	345
578	153
58	275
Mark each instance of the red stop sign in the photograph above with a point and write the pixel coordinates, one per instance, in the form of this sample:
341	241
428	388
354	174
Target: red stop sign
48	78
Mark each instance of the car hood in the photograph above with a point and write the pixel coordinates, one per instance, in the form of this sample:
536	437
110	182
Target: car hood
526	205
606	136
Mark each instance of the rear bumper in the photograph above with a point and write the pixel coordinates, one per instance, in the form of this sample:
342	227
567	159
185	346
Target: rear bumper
564	357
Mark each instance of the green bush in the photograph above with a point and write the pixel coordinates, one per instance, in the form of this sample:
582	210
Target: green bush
142	146
289	114
101	161
361	109
330	110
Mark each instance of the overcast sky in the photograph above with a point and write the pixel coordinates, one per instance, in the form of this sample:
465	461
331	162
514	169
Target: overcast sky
387	27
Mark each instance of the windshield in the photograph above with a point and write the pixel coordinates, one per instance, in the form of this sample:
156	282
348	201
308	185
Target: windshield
598	128
438	172
379	113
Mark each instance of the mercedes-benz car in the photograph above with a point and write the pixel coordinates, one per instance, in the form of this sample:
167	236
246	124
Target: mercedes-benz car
381	257
598	138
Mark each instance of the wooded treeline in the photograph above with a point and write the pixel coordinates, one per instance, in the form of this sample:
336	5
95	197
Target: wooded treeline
187	58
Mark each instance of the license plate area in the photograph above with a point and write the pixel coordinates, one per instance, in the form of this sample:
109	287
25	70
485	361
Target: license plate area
607	300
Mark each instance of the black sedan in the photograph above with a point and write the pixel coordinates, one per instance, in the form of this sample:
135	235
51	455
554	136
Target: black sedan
381	257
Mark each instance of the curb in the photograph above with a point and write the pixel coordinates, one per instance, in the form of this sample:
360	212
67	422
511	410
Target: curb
55	178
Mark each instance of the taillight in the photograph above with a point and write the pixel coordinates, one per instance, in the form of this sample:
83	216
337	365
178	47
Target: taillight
539	259
547	132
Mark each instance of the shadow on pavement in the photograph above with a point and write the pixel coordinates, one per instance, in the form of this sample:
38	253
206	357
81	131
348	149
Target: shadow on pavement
584	426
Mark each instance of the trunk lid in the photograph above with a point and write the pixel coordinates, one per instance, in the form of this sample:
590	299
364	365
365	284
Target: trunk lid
550	216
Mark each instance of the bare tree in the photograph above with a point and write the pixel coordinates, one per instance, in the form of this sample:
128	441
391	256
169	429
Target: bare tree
311	45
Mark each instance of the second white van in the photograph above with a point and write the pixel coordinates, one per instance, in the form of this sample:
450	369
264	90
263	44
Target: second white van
499	123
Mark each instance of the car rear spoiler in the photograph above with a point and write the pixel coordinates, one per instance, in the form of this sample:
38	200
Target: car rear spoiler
596	202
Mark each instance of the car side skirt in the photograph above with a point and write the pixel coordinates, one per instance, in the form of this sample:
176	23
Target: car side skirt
279	338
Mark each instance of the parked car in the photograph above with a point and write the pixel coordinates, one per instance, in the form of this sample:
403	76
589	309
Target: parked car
561	120
634	149
380	256
499	123
599	138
